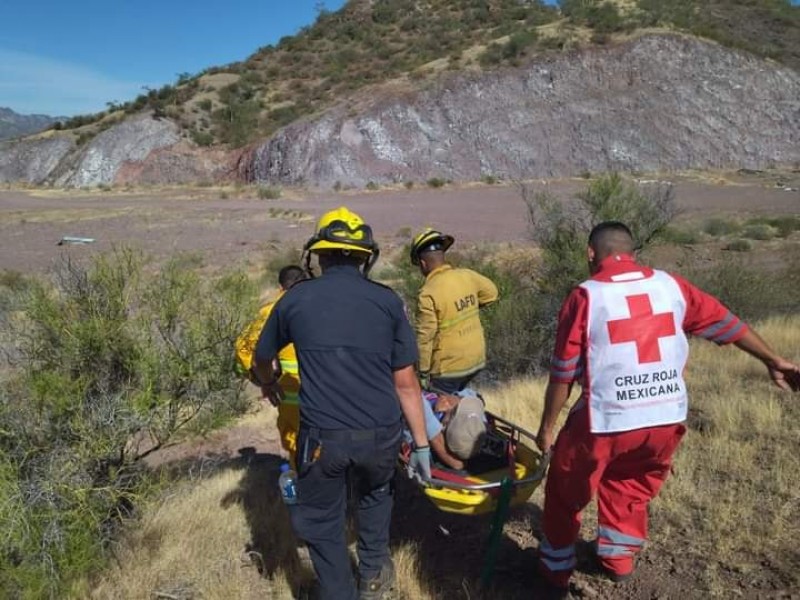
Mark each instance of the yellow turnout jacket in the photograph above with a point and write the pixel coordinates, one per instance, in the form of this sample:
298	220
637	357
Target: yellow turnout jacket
449	331
246	346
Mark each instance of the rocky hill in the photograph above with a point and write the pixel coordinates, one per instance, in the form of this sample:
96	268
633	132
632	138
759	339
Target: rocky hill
389	90
14	125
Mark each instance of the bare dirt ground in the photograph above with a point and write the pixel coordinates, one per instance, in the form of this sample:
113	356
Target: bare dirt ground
238	229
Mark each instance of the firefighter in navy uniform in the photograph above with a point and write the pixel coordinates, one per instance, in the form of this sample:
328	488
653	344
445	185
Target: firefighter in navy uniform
357	356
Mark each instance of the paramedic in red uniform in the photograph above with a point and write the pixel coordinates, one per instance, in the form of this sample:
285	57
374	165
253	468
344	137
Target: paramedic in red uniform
622	337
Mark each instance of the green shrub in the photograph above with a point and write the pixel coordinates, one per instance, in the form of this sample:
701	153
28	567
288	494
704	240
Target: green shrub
561	229
739	246
603	17
408	184
202	138
108	354
372	186
750	291
758	231
786	226
436	182
679	235
782	226
269	192
490	179
719	227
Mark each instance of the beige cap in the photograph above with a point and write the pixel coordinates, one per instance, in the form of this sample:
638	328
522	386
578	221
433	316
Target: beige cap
467	428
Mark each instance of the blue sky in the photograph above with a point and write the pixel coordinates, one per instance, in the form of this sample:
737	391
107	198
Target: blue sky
65	57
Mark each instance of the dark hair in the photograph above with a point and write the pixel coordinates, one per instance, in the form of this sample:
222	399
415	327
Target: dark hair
601	229
290	275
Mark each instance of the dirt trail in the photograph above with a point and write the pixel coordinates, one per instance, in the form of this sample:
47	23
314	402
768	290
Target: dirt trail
237	230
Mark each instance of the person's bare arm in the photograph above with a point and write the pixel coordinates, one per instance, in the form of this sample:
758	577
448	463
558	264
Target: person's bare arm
440	450
785	374
554	399
408	391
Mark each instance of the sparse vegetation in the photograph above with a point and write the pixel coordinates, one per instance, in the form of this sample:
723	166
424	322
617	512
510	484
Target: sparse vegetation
739	246
368	43
679	235
758	231
718	226
108	363
269	192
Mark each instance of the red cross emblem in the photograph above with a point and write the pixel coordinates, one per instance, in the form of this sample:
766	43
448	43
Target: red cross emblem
644	328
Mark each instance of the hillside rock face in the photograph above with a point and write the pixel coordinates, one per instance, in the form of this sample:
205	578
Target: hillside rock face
657	102
130	141
32	160
58	160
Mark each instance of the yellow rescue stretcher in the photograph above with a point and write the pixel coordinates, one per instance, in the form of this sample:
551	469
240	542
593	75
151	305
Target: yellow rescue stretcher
508	452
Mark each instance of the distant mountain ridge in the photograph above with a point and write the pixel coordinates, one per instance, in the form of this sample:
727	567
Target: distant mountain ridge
402	90
13	124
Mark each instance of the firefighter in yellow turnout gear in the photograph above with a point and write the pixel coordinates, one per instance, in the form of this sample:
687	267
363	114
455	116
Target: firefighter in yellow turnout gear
288	421
452	347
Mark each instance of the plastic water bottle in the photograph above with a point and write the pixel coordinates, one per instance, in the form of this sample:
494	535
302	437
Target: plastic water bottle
287	484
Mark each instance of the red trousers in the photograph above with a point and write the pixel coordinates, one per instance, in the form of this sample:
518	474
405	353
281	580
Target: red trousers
625	470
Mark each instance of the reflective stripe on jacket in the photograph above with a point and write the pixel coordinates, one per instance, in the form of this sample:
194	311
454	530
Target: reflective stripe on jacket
245	349
449	331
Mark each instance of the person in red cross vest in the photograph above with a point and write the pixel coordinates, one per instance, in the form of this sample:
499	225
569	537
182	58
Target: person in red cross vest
622	336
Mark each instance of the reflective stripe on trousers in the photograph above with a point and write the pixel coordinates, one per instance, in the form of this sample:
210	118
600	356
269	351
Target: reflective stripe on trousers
557	559
611	542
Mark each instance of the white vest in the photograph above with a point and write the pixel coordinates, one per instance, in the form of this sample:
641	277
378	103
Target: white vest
636	352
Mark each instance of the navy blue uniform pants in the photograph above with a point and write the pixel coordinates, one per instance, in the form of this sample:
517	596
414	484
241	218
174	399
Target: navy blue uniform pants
326	458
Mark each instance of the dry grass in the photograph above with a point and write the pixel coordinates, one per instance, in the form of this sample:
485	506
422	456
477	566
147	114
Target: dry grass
734	496
733	501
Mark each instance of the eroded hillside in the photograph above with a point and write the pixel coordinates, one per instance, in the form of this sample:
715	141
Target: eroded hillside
389	90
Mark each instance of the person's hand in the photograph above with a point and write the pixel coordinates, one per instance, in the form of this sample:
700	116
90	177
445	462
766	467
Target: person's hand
419	465
424	380
272	392
544	439
784	374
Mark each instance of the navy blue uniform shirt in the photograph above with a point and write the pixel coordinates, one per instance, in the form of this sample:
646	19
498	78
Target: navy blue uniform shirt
350	334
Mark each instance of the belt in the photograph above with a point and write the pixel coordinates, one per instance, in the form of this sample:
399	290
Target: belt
354	435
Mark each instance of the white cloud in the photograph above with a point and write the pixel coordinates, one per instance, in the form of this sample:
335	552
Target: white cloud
32	84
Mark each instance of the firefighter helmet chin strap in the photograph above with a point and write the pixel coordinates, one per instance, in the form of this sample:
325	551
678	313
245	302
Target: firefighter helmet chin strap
373	258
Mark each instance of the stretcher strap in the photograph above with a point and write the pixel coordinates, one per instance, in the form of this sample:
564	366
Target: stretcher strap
450	476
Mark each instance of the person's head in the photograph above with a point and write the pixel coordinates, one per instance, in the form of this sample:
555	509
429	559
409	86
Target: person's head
343	238
606	239
428	248
467	427
290	275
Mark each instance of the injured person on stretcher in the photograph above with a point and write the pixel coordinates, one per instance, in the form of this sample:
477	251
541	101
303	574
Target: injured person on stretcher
455	425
